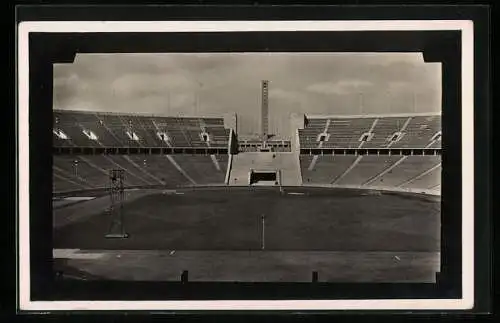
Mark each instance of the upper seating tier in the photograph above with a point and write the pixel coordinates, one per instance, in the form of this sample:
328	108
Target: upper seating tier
99	129
372	132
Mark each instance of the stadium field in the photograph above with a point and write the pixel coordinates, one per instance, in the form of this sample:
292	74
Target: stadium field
231	219
217	234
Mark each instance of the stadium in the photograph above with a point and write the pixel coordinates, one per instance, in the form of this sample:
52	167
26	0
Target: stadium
339	198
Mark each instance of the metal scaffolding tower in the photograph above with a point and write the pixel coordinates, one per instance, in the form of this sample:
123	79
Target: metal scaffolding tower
116	193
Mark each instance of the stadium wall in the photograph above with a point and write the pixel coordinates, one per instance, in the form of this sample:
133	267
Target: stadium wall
356	116
228	169
233	142
104	191
379	188
297	121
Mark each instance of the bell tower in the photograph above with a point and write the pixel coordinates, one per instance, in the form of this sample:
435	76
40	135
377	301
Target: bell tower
264	122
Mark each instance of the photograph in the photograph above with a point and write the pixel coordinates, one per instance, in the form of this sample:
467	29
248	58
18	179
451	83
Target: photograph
276	207
307	165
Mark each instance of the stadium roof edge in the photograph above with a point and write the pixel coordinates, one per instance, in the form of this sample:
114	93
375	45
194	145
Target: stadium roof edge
142	114
329	116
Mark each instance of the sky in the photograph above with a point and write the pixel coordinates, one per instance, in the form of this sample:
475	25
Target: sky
212	84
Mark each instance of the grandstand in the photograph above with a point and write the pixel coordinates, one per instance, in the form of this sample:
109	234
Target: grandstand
396	131
418	173
72	173
97	129
372	133
105	130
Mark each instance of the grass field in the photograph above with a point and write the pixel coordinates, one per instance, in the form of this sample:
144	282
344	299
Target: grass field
328	220
345	235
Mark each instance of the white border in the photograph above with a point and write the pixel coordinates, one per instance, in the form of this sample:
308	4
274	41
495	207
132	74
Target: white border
231	26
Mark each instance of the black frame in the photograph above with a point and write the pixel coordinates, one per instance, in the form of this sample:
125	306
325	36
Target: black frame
444	46
45	49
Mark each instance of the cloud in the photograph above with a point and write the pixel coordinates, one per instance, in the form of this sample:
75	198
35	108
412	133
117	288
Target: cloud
281	94
399	86
319	83
79	105
181	100
67	80
405	58
340	87
130	85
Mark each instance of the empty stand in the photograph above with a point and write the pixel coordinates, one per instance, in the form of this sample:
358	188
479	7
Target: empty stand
158	169
97	129
126	130
365	168
309	135
426	180
324	169
147	131
405	172
409	168
383	131
73	126
419	132
79	172
135	166
435	144
62	184
204	169
119	126
345	133
92	171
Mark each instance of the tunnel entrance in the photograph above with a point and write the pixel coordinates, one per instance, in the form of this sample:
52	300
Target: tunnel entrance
265	178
